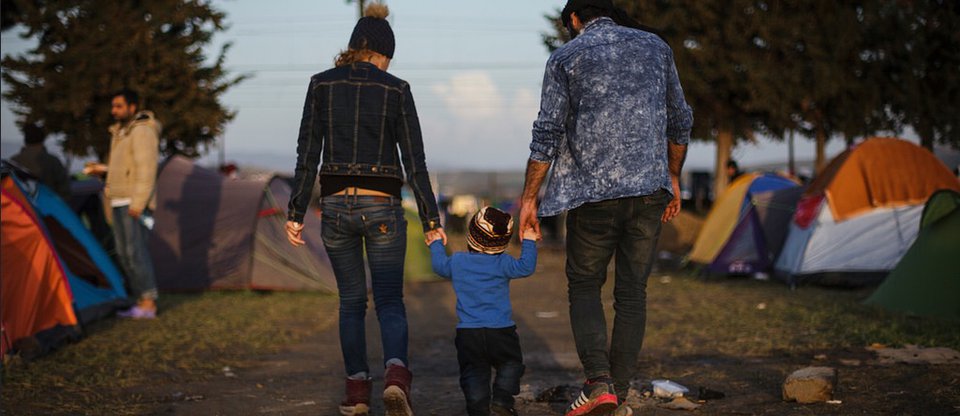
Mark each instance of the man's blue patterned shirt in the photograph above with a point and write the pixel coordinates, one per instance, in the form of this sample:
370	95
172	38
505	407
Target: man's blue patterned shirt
611	99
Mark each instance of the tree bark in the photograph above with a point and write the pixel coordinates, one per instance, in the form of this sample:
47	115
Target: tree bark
821	160
724	147
791	161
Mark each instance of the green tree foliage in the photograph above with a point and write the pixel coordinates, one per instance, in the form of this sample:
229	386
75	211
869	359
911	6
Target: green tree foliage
825	80
87	50
920	53
9	14
820	68
719	62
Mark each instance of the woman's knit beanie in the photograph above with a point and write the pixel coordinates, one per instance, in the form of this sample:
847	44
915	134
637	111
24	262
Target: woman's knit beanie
373	32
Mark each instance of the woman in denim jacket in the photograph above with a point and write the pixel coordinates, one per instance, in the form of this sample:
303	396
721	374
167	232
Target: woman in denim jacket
360	124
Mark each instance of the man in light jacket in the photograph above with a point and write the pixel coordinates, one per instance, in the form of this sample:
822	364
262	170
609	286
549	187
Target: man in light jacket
131	177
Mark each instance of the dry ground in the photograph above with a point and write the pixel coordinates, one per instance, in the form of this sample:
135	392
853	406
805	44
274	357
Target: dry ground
248	353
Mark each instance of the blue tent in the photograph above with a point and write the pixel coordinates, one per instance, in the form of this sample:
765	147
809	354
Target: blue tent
747	225
95	281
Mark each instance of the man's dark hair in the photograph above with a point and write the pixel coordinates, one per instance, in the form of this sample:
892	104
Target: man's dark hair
733	164
33	134
129	95
590	13
588	10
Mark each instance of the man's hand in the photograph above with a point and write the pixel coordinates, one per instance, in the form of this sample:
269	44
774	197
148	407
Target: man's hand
536	171
531	234
528	217
294	231
135	213
673	207
434	235
95	169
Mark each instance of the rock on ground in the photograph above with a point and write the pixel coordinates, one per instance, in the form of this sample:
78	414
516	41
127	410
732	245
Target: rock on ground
810	385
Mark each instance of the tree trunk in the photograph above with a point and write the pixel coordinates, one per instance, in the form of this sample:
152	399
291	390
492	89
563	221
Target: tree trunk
361	3
724	146
926	140
821	160
791	162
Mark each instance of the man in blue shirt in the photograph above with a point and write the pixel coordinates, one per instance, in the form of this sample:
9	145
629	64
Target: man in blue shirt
486	334
614	125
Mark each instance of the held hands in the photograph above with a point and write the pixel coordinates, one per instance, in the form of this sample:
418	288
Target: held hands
673	207
528	218
531	234
294	231
434	235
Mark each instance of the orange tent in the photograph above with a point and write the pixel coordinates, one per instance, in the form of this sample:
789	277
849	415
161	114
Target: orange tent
34	293
881	172
860	216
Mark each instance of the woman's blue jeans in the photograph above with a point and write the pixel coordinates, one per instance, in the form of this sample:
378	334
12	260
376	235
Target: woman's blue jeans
353	225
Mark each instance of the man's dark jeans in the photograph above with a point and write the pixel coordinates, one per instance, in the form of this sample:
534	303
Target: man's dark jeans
479	349
630	228
350	225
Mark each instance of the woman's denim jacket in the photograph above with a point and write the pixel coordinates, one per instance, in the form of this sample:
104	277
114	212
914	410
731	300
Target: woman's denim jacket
356	116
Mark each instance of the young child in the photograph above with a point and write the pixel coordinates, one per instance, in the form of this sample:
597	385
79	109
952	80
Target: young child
486	334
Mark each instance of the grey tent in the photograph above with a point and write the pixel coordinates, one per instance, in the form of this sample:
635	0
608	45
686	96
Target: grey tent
217	233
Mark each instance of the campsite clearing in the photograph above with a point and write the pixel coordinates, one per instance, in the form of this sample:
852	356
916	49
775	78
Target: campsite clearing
283	357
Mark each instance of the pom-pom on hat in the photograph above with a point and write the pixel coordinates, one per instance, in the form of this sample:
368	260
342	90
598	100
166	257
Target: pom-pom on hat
490	231
373	32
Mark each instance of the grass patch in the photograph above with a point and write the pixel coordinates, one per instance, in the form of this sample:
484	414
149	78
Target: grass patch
194	337
730	320
748	318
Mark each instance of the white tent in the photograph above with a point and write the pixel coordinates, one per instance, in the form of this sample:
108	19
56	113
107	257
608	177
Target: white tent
872	243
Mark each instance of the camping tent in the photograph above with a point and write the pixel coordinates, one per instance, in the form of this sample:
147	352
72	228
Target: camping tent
927	279
34	294
746	227
860	215
96	283
212	232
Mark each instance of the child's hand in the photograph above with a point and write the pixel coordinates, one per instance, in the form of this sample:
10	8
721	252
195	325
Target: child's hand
531	234
431	237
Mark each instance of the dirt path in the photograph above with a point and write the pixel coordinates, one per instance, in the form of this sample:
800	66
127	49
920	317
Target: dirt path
306	378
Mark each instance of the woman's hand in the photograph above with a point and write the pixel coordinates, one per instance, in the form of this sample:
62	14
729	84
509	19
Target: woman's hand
294	230
434	235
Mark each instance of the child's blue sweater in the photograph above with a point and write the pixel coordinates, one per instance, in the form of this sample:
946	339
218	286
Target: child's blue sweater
482	282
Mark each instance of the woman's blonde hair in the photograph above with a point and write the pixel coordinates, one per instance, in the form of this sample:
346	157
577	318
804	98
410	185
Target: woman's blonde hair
351	56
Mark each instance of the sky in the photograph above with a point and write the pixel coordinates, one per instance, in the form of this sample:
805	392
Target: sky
475	69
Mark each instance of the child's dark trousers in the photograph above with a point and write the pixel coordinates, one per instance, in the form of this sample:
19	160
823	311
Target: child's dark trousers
481	349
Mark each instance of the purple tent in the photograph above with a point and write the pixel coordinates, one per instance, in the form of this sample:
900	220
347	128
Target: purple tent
758	237
212	232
